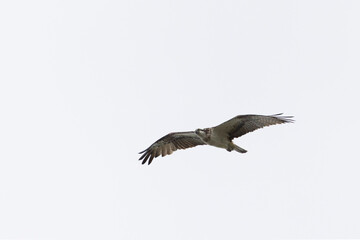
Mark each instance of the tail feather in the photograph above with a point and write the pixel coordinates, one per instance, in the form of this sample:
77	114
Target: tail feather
239	149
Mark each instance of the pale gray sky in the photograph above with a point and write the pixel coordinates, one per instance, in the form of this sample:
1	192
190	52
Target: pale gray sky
86	85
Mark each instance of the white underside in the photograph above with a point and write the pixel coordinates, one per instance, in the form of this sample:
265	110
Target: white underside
218	140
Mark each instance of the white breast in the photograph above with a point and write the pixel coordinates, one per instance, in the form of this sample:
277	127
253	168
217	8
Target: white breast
218	139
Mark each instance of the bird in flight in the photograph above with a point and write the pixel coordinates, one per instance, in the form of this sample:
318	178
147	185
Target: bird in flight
220	136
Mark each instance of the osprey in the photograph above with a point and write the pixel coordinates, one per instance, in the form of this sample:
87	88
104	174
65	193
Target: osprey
220	136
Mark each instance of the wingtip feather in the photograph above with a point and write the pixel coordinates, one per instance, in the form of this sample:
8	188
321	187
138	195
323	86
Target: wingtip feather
286	119
143	151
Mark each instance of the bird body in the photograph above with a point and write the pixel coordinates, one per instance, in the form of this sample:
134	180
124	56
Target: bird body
220	136
213	137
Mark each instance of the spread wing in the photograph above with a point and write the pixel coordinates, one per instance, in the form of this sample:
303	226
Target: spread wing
242	124
170	143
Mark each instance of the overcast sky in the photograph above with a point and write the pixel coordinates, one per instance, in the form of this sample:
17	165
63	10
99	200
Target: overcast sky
86	85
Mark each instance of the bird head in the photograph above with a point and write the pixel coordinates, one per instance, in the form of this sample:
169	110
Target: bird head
203	133
199	131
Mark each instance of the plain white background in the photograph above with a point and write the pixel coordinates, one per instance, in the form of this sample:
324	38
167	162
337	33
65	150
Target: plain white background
86	85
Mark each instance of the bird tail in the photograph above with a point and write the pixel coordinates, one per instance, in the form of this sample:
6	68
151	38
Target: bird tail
239	149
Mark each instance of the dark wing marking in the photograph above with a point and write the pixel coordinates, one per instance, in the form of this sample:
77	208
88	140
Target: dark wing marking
170	143
242	124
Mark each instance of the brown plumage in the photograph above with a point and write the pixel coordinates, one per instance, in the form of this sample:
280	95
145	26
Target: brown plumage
242	124
170	143
220	136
